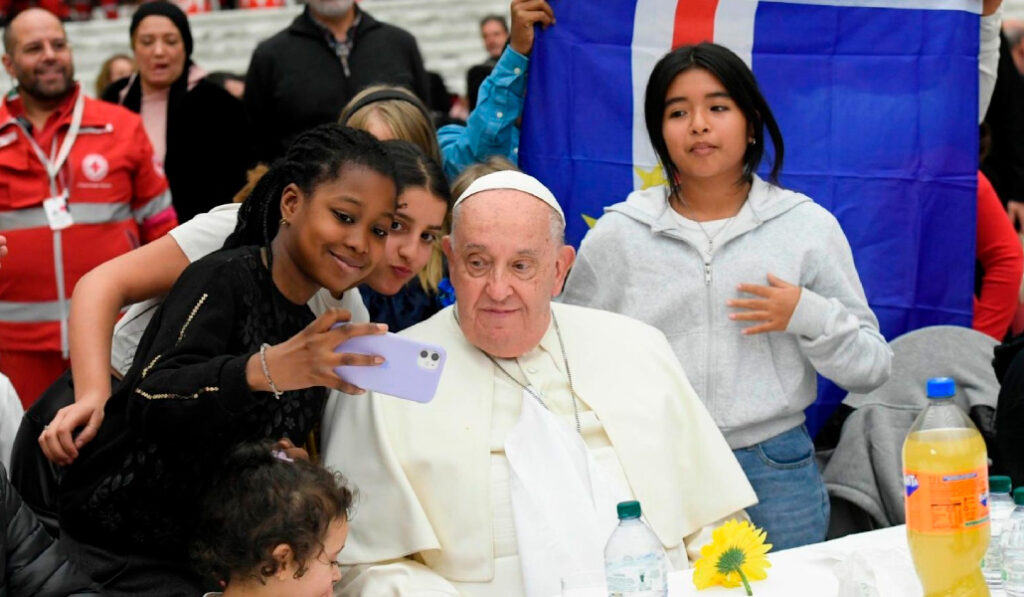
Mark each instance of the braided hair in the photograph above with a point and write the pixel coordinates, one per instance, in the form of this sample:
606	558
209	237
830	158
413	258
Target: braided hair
316	156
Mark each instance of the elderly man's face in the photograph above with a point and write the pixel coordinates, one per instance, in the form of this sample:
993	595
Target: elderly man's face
505	268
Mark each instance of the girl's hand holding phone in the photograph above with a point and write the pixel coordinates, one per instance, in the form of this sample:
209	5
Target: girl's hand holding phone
775	307
307	359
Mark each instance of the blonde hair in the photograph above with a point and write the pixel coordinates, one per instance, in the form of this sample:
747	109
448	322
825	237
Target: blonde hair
252	177
103	78
495	163
407	117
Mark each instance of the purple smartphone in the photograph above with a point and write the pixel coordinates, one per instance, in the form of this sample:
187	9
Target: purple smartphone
411	369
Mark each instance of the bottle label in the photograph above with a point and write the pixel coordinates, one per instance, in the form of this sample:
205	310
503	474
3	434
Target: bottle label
939	503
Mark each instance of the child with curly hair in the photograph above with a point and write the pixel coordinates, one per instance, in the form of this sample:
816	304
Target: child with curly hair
271	525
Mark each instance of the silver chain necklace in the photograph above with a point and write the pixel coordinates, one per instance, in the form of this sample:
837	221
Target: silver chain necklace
711	237
529	389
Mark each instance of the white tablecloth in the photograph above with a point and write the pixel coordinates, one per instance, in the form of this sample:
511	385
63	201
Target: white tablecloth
809	571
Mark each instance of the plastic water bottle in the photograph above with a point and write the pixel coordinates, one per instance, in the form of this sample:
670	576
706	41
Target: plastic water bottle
1018	500
945	475
1012	546
635	563
1000	506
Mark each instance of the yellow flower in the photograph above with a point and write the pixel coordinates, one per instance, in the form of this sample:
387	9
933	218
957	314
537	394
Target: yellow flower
735	556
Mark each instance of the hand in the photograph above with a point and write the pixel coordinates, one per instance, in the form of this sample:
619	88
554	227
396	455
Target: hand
775	307
307	359
526	14
56	441
285	445
3	246
989	7
1015	209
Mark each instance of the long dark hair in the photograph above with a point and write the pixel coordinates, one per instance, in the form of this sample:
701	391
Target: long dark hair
260	501
742	87
316	156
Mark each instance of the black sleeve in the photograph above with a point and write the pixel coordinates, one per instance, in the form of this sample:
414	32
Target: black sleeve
189	384
258	103
34	565
1004	165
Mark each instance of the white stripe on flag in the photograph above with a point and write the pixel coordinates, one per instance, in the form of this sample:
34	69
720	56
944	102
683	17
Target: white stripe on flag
965	5
734	27
653	28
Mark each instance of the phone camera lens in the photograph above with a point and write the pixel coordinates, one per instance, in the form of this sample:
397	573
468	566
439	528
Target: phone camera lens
434	356
423	354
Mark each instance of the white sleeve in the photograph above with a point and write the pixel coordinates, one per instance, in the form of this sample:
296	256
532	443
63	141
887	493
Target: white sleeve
10	419
206	232
988	60
351	300
395	578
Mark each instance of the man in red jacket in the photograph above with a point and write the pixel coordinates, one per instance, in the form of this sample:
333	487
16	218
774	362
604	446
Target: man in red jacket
78	186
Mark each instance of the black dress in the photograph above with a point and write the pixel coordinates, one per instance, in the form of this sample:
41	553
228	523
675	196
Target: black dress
135	489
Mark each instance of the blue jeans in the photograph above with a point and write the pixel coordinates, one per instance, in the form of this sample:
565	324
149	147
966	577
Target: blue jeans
792	504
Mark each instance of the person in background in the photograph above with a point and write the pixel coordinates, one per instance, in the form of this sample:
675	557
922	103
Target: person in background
494	33
96	196
198	129
232	83
1000	265
492	125
304	75
113	69
272	525
545	416
757	288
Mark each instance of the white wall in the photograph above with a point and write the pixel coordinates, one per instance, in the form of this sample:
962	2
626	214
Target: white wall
447	31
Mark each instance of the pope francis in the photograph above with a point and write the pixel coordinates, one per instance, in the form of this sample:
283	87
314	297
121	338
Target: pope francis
546	416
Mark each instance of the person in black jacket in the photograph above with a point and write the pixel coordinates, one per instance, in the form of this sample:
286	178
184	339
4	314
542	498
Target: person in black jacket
32	565
304	75
195	126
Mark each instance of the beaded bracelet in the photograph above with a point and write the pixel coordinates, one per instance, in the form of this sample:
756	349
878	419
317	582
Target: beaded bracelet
266	370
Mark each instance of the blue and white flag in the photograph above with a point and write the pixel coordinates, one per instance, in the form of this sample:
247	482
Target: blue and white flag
877	101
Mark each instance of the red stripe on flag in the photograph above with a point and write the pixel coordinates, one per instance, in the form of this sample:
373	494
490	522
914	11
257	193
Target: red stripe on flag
695	22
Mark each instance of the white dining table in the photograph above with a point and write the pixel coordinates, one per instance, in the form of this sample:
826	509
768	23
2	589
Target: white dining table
879	558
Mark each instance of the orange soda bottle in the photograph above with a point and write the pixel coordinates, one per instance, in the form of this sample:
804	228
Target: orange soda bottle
945	473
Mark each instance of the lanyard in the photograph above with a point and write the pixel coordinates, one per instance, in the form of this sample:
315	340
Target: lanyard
53	164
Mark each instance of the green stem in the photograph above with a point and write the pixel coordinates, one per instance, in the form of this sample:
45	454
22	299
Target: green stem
746	585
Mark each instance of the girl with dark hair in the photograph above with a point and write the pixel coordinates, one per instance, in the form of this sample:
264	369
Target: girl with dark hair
756	286
233	354
420	221
271	525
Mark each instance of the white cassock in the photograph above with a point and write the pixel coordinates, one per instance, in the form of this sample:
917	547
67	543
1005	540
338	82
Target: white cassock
436	515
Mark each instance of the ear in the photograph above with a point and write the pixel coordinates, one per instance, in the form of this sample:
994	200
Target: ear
291	200
285	558
446	247
9	65
566	257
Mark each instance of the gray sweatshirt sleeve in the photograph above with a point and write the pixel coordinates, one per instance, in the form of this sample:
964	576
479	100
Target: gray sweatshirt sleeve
588	285
834	326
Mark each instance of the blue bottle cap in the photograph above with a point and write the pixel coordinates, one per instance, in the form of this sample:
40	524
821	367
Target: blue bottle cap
941	387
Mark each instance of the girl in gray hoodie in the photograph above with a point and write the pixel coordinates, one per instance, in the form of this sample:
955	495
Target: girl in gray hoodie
754	286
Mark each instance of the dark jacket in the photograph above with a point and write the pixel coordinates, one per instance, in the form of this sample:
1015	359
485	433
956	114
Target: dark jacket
296	81
32	565
1004	164
209	147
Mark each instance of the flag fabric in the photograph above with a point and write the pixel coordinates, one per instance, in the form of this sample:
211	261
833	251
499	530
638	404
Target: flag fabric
876	99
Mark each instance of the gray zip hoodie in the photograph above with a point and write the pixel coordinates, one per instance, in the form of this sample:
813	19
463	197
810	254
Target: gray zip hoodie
637	261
